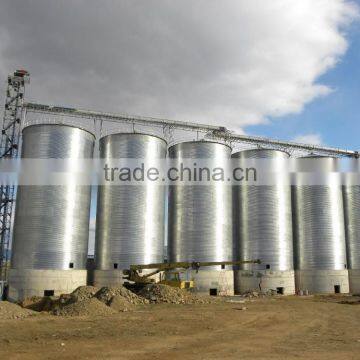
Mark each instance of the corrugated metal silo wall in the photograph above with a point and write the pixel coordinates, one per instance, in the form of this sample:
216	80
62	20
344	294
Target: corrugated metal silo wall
130	218
51	226
200	216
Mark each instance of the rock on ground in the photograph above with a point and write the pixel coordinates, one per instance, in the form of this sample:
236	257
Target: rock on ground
84	292
106	294
120	304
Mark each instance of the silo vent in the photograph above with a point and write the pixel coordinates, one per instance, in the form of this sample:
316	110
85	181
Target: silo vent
49	292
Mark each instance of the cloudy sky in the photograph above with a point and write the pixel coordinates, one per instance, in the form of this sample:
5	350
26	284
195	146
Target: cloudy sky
281	68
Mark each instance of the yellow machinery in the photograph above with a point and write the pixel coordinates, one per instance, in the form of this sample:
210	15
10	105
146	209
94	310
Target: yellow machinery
173	278
170	274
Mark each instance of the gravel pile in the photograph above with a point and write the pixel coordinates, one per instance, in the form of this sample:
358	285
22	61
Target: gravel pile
84	292
35	303
49	303
120	304
89	300
106	294
92	307
158	293
13	311
38	303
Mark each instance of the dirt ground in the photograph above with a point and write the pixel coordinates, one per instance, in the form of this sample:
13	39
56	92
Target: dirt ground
269	328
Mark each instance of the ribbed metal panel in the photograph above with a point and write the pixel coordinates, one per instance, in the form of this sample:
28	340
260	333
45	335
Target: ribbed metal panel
263	218
200	216
319	231
130	218
52	222
351	196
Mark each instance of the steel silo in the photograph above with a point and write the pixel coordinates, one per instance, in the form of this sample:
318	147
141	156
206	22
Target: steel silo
130	218
263	225
51	225
200	216
351	195
319	232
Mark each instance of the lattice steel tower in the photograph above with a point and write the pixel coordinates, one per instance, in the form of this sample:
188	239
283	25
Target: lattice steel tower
9	146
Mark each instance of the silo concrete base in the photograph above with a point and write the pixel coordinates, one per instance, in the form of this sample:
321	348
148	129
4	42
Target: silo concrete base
206	281
322	281
108	278
354	281
282	282
24	283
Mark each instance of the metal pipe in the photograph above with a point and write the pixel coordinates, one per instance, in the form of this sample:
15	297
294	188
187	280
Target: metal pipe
47	109
216	131
289	144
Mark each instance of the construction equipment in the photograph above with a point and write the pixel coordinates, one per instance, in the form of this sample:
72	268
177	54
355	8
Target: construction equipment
173	278
170	272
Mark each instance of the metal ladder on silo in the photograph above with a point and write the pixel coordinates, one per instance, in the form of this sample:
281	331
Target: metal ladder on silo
9	146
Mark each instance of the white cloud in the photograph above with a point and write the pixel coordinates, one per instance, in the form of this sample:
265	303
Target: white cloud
313	139
229	62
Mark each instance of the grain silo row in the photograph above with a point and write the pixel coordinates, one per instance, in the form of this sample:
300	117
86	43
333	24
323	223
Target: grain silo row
298	233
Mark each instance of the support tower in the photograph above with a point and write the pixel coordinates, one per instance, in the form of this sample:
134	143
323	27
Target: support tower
9	146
